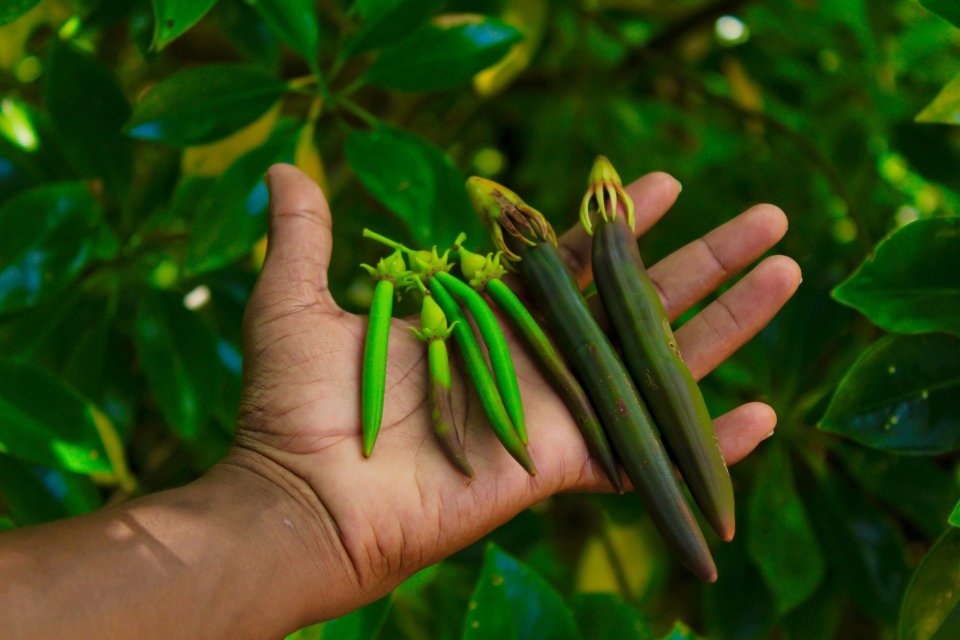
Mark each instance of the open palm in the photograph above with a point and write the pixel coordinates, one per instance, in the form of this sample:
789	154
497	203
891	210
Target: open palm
407	506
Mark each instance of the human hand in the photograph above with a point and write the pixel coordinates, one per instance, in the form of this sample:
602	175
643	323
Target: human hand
376	521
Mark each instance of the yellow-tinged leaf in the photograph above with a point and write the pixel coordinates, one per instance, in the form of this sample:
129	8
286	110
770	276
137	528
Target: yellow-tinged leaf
743	89
307	156
529	17
14	36
113	445
259	253
631	547
213	159
945	108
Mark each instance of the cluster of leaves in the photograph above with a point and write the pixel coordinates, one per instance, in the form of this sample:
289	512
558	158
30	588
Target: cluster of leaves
133	140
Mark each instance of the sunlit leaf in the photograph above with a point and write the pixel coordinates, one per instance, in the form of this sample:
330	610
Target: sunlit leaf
233	214
10	10
174	17
949	10
386	21
49	234
203	104
911	284
177	350
416	181
955	516
601	616
778	522
294	22
434	58
362	624
902	395
931	606
945	108
45	422
511	601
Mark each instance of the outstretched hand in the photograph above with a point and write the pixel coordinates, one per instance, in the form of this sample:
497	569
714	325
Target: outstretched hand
375	521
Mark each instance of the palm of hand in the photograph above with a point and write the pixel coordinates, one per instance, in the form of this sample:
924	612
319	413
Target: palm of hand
407	506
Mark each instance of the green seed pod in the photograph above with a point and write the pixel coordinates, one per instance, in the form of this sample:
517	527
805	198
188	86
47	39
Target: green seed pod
478	269
433	322
389	268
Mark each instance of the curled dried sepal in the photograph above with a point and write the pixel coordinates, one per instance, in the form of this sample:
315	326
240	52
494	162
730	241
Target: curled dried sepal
478	269
390	268
433	322
504	212
604	193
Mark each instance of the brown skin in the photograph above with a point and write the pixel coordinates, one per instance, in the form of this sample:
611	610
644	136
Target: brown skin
294	525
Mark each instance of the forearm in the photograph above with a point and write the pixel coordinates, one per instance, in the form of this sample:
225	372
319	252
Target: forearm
225	556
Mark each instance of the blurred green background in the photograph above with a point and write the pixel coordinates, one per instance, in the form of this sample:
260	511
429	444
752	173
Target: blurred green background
133	140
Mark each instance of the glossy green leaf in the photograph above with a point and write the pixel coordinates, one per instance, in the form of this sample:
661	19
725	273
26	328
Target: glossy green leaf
313	632
362	624
294	22
434	58
916	487
233	214
911	284
902	395
954	519
387	21
861	543
204	104
173	18
88	111
512	602
417	182
177	351
45	422
35	494
601	616
949	10
931	606
248	32
49	233
778	521
10	10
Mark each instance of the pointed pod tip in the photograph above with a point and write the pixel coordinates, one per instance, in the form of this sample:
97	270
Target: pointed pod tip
727	530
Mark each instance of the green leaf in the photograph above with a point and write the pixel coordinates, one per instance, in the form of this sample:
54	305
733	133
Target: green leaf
945	108
417	182
205	104
739	606
48	423
48	237
434	58
174	17
10	10
387	21
313	632
861	543
778	521
917	488
511	601
954	519
88	111
931	606
911	284
949	10
601	616
902	395
177	351
34	495
248	33
362	624
818	617
294	22
233	214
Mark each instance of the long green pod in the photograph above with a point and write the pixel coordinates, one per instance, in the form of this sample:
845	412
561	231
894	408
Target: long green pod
484	276
435	331
500	359
480	376
531	243
375	350
651	354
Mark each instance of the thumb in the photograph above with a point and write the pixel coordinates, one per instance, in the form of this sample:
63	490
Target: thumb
299	239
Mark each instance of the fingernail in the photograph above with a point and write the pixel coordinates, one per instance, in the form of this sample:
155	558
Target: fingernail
769	435
679	185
